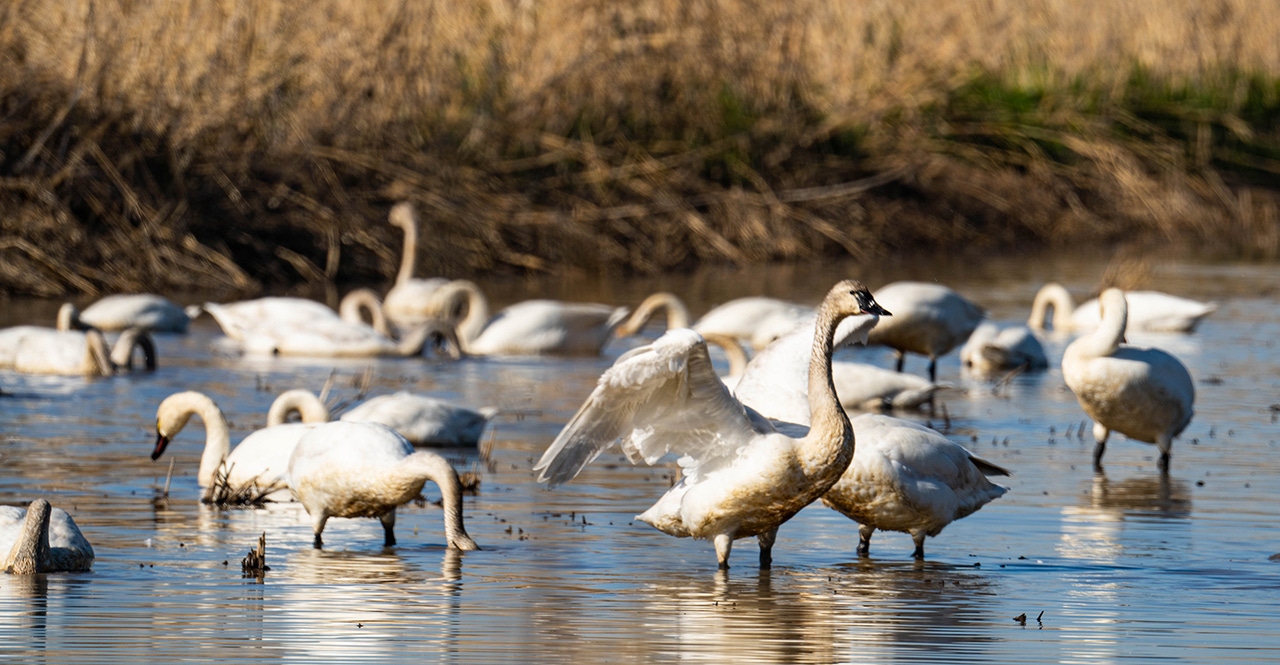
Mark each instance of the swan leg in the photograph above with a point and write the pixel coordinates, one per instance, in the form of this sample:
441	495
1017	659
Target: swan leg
766	547
918	537
389	528
1100	434
723	544
933	370
317	527
902	357
864	539
1164	443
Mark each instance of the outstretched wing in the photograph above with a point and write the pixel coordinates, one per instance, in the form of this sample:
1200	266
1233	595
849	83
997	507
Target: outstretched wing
660	398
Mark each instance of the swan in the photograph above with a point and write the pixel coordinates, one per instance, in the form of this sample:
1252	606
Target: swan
733	353
774	381
423	420
990	350
532	327
408	303
12	336
929	320
137	310
42	539
261	459
1149	311
757	319
81	353
741	477
237	318
1146	394
907	477
350	469
335	338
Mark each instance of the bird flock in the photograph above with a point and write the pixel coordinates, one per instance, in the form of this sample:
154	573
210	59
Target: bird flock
790	425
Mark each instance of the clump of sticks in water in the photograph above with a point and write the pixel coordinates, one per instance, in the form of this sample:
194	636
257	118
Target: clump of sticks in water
225	493
254	564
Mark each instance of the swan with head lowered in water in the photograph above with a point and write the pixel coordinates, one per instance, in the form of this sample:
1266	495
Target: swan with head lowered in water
261	459
757	319
1144	393
351	469
929	320
237	318
424	420
1149	311
330	338
81	353
531	327
42	539
741	477
990	350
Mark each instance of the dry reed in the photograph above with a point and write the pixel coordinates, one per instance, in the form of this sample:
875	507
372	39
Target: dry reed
232	144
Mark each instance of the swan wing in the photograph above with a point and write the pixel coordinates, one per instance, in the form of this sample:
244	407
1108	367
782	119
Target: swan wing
660	398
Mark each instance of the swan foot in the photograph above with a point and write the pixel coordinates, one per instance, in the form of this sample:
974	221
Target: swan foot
723	544
317	543
766	547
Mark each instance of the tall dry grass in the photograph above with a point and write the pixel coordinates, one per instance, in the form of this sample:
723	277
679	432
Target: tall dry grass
241	143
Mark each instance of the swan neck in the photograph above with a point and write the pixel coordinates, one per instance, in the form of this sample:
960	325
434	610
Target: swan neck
304	402
122	352
1105	340
426	465
677	313
471	325
409	253
30	552
217	443
829	430
733	351
1056	298
98	362
68	317
355	303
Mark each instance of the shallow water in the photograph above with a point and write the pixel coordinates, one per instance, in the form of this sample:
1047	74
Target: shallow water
1123	566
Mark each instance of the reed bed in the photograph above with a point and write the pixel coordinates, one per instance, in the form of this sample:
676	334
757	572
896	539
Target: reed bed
244	144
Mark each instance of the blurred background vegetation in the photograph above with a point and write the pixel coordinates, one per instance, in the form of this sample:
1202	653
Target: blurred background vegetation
247	144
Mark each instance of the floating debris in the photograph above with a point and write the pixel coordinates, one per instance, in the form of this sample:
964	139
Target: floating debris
1021	619
254	564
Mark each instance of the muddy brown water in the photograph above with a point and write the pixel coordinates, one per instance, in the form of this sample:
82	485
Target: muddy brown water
1124	566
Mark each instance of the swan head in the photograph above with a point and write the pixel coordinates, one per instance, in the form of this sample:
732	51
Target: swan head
403	215
850	297
171	416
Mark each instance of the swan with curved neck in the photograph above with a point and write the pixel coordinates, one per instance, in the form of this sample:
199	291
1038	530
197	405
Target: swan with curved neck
755	319
741	477
409	301
42	539
237	319
1148	311
1144	393
677	314
333	338
81	353
355	469
531	327
261	458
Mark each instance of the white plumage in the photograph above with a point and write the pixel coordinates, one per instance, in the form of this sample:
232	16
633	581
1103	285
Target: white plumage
991	349
756	319
1149	311
408	303
138	310
928	319
42	539
238	318
424	420
80	352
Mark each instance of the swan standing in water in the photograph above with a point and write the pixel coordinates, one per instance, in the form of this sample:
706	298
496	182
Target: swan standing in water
909	478
929	320
757	319
532	327
1149	311
137	310
990	350
741	477
42	539
238	318
1146	394
81	353
408	303
424	420
260	460
348	469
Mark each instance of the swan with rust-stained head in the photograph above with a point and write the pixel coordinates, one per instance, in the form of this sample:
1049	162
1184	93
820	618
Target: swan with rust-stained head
756	319
1143	393
424	420
137	310
1148	311
929	320
238	318
81	353
907	477
408	303
42	539
260	460
741	477
532	327
351	469
990	350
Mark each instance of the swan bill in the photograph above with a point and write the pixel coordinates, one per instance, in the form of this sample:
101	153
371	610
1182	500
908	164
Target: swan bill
162	442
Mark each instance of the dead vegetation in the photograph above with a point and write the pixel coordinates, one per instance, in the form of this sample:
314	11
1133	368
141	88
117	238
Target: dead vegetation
231	144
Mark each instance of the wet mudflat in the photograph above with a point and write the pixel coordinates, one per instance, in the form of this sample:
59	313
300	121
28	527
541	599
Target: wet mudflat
1127	565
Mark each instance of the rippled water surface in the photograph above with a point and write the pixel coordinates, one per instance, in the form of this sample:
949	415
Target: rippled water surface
1125	566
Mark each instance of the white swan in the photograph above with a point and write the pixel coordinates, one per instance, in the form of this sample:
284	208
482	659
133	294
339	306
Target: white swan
348	469
532	327
757	319
137	310
928	319
334	338
907	477
12	336
741	477
424	420
42	539
1149	311
237	318
1146	394
408	303
81	353
774	381
260	460
991	349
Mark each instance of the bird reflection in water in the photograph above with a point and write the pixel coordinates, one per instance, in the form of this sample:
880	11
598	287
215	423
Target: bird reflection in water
1094	529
